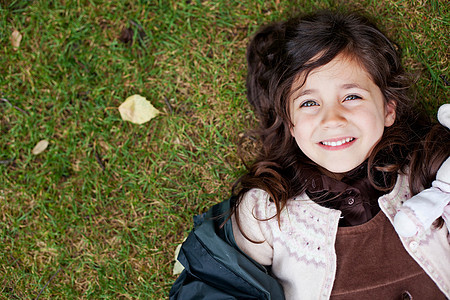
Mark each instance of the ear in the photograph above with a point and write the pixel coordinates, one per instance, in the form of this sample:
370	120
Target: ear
389	116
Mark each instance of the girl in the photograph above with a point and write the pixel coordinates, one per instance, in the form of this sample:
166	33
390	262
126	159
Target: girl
342	147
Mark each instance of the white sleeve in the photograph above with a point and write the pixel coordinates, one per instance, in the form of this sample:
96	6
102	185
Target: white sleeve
256	241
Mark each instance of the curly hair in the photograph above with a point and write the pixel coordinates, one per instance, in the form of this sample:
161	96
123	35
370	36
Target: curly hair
278	53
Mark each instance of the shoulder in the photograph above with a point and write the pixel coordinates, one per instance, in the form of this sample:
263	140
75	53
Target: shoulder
256	205
392	201
401	189
255	196
256	202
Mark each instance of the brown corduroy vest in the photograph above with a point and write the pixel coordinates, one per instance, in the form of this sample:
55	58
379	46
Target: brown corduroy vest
373	264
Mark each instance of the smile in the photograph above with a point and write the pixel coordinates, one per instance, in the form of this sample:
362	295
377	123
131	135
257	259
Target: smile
337	143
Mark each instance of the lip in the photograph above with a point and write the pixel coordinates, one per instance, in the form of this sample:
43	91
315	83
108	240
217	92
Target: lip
337	143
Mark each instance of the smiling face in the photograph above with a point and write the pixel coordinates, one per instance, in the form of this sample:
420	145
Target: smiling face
339	115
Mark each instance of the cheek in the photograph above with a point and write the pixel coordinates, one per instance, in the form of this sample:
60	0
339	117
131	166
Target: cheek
292	131
374	132
372	120
303	129
301	137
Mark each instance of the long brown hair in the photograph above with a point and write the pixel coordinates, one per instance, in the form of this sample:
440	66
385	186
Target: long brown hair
279	52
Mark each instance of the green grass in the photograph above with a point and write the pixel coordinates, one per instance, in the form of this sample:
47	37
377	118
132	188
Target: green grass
100	212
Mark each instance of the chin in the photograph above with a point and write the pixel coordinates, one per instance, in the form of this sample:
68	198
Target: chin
339	170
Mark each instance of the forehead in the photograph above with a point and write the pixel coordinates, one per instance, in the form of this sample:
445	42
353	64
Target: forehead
343	69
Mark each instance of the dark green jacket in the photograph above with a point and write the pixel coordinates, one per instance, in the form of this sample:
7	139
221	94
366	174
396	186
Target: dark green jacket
215	268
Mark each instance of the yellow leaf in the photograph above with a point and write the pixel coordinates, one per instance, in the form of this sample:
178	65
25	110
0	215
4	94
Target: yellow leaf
15	38
177	267
137	109
40	147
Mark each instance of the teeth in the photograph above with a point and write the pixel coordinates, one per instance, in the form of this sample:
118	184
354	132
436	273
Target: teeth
338	143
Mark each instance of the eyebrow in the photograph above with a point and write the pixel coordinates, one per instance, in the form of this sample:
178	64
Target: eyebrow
346	86
303	93
307	92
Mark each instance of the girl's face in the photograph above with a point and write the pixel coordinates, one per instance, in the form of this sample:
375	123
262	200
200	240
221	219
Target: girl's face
339	115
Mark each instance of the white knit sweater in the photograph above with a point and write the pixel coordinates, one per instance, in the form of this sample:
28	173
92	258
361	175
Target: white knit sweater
301	248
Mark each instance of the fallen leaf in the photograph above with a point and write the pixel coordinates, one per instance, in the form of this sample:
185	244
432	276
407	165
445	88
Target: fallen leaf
40	147
177	267
137	109
16	38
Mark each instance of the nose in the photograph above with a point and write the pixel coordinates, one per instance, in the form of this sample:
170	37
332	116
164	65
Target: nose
333	117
